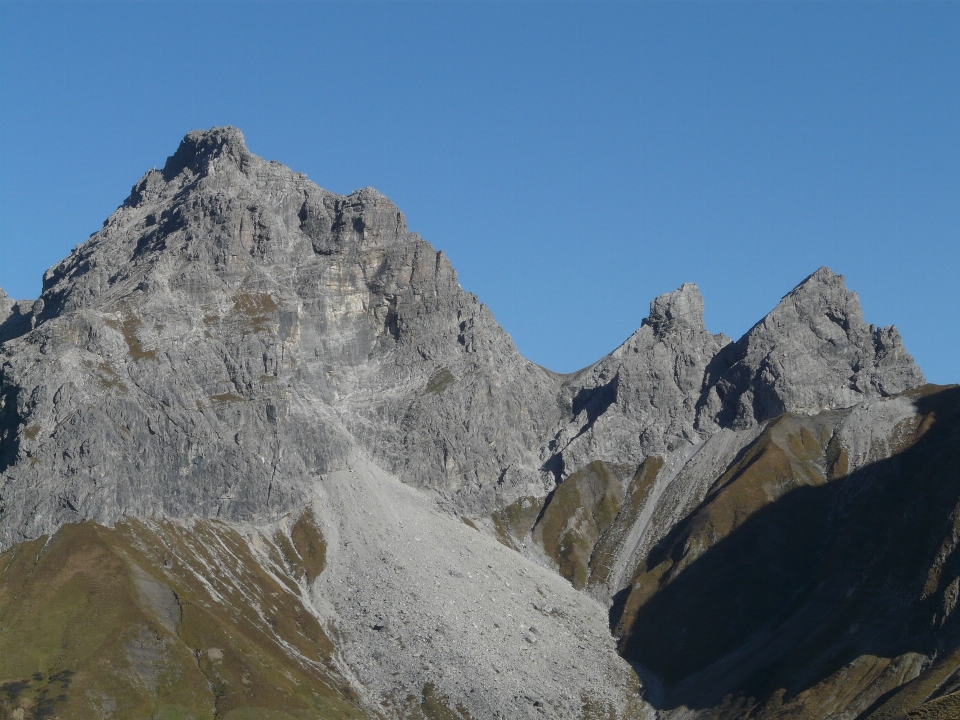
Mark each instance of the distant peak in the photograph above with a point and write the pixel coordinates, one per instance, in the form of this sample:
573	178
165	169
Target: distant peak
681	307
200	147
822	277
823	292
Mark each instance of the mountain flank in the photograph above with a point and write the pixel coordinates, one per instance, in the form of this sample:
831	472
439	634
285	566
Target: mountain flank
263	456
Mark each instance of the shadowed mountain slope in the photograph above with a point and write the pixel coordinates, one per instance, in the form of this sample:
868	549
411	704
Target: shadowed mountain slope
796	589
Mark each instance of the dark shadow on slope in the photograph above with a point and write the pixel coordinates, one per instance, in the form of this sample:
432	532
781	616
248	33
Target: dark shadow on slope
9	425
812	581
732	379
667	546
16	324
596	400
727	390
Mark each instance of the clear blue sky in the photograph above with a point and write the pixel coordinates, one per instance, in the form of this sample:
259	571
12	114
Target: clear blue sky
574	160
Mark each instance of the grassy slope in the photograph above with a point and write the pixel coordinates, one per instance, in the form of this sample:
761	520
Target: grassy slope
162	620
584	520
796	590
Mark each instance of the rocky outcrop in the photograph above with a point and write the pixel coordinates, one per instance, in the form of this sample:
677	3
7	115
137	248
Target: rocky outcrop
232	332
813	352
641	399
238	344
673	384
15	317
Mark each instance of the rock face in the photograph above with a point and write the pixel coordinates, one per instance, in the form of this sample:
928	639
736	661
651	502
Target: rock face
813	352
237	345
641	399
14	316
232	332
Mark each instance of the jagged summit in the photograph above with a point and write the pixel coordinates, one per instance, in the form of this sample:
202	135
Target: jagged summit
252	330
216	209
823	294
821	276
200	148
812	351
680	307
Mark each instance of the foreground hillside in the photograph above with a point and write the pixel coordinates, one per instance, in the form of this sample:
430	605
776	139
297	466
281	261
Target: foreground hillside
819	575
262	457
369	604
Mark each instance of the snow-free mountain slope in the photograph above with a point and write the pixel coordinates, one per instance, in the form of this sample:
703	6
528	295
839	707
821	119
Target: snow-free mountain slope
812	352
233	331
277	406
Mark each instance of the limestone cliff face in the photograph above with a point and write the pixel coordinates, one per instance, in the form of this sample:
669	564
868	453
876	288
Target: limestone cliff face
641	399
232	332
673	385
237	343
812	352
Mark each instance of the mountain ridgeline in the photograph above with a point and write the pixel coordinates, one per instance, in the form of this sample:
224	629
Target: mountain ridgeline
243	371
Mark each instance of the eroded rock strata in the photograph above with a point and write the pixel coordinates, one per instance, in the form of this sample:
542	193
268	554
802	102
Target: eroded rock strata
293	467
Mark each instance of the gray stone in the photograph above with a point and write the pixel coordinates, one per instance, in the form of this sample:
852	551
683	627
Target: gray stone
641	399
15	317
810	353
234	332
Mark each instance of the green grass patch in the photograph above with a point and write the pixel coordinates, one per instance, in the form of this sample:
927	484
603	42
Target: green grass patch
120	619
637	493
310	545
577	514
519	517
439	381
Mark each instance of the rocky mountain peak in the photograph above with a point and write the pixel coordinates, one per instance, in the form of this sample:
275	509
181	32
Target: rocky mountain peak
821	298
267	328
682	307
822	276
15	316
813	351
200	148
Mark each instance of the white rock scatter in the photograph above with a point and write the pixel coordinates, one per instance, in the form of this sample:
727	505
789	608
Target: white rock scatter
419	597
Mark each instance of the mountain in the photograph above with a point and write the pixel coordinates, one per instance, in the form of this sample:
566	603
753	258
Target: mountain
262	456
234	330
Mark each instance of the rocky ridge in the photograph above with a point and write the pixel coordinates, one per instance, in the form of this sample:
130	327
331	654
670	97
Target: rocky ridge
237	343
233	331
258	327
